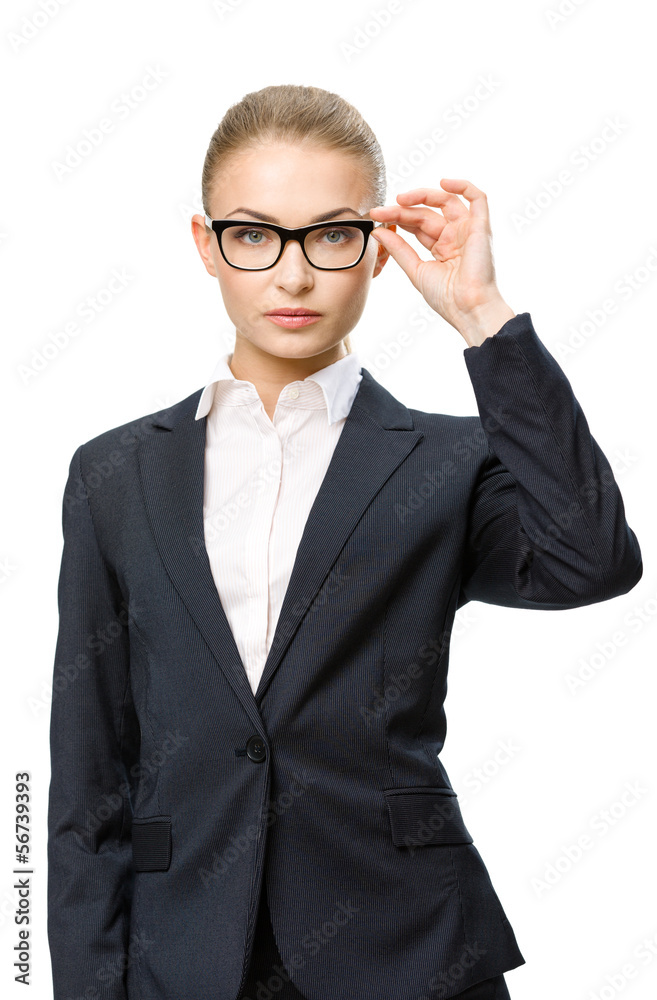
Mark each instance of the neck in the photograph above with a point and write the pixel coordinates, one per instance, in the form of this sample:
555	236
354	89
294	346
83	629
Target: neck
270	373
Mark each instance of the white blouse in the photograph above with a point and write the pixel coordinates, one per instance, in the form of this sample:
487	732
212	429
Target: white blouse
261	479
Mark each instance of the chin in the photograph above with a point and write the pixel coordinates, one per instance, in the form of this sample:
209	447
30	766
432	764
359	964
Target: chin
299	343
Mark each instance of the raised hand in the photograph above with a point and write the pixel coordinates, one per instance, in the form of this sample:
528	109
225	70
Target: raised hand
459	283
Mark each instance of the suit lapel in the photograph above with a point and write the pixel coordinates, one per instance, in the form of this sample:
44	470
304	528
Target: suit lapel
377	436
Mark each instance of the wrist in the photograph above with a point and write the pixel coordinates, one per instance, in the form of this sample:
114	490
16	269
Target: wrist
484	321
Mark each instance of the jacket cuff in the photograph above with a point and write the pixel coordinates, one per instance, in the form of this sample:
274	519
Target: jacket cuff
513	356
519	325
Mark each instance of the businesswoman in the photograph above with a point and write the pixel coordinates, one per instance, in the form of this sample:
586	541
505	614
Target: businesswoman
247	797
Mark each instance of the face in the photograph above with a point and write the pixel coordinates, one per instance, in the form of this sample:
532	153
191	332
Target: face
293	186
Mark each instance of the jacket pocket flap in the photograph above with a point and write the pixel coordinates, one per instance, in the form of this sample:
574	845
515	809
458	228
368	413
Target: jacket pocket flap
151	844
421	816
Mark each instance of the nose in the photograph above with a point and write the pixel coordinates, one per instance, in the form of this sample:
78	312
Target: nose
294	257
299	251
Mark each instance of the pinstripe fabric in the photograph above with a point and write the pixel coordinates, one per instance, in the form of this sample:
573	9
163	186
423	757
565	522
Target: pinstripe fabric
172	780
268	977
261	479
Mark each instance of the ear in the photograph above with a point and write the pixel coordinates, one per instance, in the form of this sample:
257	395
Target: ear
203	239
382	254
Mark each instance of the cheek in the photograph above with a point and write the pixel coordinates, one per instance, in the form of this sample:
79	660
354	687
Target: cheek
243	297
354	292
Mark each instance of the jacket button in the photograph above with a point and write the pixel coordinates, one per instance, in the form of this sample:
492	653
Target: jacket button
256	748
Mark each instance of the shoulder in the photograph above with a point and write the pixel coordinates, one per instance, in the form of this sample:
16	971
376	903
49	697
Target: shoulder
443	423
452	437
443	434
387	409
116	445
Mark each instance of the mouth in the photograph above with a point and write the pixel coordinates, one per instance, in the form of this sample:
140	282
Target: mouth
293	317
292	312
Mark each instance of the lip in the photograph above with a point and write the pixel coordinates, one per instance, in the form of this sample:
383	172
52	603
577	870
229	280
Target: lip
293	318
292	312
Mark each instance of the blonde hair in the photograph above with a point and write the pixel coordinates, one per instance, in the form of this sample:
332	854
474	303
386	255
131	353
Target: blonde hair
294	113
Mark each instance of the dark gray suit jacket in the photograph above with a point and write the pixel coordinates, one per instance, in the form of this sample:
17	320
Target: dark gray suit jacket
175	791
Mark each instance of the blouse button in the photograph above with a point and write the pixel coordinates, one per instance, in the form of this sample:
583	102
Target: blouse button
293	392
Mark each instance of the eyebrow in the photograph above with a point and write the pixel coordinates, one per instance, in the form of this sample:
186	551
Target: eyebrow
325	217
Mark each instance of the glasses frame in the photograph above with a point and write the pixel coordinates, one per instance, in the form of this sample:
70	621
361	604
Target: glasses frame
285	234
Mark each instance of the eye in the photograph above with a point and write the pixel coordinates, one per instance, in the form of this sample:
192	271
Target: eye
259	235
341	234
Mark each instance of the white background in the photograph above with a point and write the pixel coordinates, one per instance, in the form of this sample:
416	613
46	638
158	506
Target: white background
557	79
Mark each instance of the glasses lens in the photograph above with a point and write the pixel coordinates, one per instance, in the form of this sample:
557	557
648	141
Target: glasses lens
334	246
250	246
254	247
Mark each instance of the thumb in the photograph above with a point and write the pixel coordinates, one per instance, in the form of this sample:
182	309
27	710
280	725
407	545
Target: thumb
399	249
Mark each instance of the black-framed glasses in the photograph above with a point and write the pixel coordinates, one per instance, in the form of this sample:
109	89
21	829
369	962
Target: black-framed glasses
251	246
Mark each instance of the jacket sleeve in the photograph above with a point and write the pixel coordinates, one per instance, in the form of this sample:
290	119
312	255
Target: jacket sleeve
546	524
94	738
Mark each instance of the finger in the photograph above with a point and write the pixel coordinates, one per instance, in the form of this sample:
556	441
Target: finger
402	252
413	219
416	203
427	241
421	234
451	206
476	197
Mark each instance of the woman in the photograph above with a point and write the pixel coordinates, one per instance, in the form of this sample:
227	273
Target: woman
256	597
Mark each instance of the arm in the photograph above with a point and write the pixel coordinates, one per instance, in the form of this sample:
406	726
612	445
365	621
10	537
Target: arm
94	737
547	525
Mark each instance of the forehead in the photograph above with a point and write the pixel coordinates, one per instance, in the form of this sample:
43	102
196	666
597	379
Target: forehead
291	182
